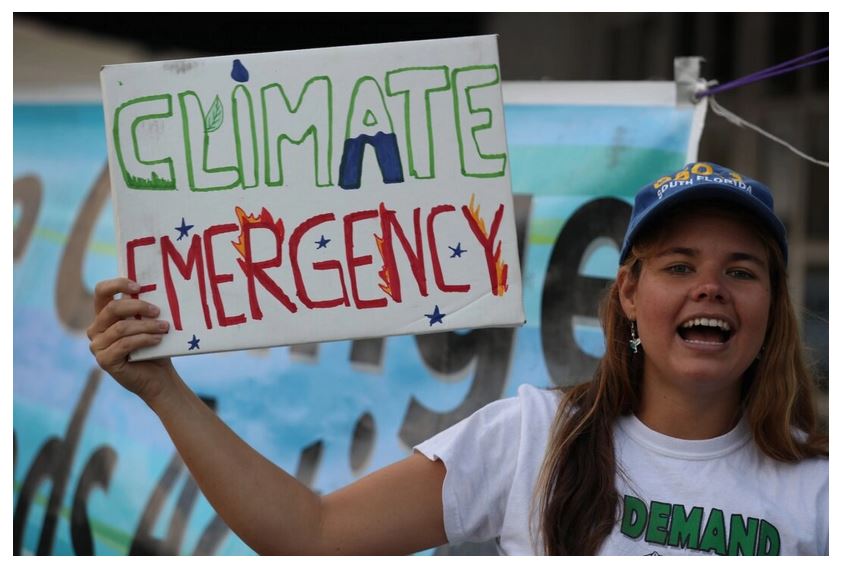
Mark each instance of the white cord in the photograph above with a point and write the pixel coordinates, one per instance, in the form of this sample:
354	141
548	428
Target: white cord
739	121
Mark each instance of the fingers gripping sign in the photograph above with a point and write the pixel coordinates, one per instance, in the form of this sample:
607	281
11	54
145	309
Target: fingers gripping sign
121	326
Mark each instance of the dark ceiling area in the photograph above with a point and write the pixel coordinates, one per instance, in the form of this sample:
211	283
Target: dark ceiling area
256	32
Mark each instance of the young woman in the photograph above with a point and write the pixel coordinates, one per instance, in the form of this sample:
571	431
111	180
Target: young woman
696	435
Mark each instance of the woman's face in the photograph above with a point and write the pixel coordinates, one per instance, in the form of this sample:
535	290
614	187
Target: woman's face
701	304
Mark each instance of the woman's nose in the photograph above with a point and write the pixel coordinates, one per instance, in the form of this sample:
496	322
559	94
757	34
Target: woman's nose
710	287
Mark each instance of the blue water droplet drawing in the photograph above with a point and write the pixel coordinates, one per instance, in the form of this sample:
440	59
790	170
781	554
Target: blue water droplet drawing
239	72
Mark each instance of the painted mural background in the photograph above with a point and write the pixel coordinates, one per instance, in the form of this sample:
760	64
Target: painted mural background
95	473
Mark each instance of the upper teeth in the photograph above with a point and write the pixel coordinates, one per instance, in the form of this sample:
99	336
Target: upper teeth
707	323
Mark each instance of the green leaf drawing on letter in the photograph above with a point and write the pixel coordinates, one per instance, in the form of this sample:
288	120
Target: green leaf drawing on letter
214	117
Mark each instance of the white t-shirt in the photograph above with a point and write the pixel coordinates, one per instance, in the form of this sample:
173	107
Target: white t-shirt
715	496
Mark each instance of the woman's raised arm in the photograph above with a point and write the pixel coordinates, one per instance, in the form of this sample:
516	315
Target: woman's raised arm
396	510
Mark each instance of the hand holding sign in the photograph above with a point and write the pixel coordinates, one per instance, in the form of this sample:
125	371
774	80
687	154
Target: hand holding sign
114	334
278	254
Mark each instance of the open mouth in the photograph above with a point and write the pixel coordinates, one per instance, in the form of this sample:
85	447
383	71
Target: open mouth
705	331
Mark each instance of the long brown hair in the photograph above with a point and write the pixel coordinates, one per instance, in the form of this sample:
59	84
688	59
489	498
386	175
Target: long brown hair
576	490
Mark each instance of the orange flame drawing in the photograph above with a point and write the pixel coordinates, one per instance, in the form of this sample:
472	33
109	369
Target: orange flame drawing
501	273
245	220
383	273
501	267
474	211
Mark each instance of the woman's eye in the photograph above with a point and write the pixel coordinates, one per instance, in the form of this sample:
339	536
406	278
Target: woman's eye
741	274
679	268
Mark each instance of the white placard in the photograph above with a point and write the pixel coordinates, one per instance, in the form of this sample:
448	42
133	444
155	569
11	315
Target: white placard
283	198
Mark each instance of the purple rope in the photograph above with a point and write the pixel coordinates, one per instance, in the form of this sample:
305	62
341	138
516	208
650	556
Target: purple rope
779	69
789	63
760	76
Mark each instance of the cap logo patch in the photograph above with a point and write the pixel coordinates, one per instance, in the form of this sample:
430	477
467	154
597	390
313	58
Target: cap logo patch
698	173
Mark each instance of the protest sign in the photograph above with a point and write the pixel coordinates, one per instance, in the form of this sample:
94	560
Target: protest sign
292	197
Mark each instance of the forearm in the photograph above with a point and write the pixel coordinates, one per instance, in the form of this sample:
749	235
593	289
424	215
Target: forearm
396	510
268	509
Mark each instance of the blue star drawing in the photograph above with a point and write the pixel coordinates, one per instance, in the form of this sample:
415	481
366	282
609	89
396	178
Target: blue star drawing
194	342
436	316
456	251
322	243
183	230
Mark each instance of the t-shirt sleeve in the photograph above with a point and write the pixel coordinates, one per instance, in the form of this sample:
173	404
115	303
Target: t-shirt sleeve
480	454
823	509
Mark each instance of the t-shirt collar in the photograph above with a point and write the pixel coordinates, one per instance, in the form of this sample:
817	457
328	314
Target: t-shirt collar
686	448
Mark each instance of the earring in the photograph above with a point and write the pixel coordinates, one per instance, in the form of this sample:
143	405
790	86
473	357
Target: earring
635	342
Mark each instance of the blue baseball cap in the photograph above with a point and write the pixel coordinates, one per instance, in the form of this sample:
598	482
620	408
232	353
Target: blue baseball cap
702	181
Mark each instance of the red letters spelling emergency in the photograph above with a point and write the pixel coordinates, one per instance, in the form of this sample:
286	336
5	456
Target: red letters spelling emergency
198	263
